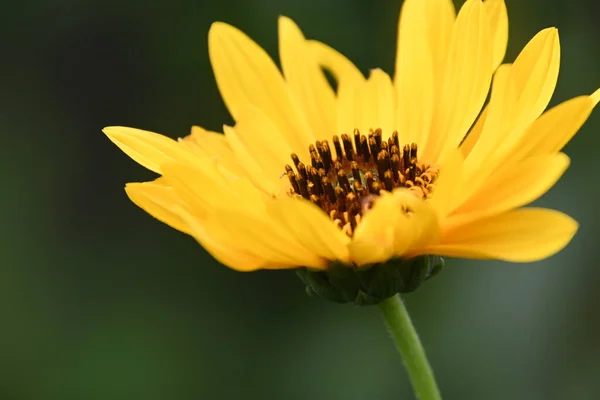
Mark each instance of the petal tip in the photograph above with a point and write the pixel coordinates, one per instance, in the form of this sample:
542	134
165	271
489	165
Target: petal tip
287	26
116	130
111	130
564	159
570	227
116	134
283	19
217	27
217	31
551	32
134	186
596	97
132	189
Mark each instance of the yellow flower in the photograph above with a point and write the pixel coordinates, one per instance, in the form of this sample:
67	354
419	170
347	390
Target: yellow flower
422	165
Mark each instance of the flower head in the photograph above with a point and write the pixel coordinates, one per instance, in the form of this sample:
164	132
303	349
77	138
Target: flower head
380	167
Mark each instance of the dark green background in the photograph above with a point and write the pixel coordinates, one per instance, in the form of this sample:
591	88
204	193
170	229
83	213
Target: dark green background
100	301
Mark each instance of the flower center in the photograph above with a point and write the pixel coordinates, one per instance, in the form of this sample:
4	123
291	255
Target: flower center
346	184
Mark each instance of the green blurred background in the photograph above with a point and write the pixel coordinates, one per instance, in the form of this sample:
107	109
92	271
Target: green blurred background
100	301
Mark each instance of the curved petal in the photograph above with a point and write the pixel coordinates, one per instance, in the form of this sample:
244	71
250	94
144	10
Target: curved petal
258	235
225	253
350	81
336	63
306	80
213	145
473	136
513	186
349	106
496	10
498	15
148	149
535	73
421	28
263	142
246	75
311	227
440	18
524	235
397	225
376	104
489	130
375	236
596	96
555	128
529	84
448	188
204	189
158	200
424	224
466	83
424	30
253	170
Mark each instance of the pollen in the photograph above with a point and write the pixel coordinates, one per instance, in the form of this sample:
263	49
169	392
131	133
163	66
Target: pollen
344	182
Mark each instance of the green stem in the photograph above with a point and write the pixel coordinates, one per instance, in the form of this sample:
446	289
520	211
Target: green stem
408	344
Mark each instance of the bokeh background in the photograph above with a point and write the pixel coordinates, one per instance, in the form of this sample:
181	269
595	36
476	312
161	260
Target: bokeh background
100	301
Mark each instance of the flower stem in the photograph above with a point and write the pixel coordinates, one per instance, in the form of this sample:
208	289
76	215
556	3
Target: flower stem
409	346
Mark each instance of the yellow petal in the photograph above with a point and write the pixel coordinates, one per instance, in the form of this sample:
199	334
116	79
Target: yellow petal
524	235
254	171
496	11
311	227
233	213
336	63
533	76
425	25
257	234
399	224
440	18
596	96
488	131
424	223
148	149
467	77
376	103
448	187
553	129
226	253
514	186
205	189
535	72
529	85
473	136
350	81
246	75
213	145
375	237
349	105
263	142
414	81
306	80
158	200
161	201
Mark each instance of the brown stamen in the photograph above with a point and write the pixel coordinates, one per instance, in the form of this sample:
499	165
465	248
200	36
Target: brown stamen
345	186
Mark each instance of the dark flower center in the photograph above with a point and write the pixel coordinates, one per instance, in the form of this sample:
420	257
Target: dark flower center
344	183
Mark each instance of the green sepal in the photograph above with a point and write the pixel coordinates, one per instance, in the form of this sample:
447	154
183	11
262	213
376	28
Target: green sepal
371	284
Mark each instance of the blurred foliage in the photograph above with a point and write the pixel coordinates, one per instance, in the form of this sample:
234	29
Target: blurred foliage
100	301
